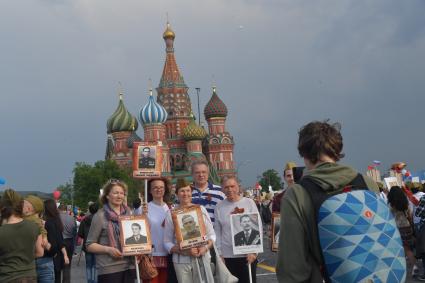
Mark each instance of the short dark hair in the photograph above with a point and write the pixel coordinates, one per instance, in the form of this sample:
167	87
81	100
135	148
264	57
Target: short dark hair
244	216
398	199
167	187
136	224
317	138
93	208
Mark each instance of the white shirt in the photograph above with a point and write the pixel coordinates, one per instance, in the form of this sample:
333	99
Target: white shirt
222	224
156	217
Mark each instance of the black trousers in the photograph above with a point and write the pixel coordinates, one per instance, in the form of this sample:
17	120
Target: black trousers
239	267
127	276
66	272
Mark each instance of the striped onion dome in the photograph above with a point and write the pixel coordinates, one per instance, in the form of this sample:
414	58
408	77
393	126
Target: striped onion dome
153	112
121	120
194	131
215	107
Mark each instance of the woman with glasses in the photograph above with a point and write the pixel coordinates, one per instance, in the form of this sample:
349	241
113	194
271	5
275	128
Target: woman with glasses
192	264
157	208
104	236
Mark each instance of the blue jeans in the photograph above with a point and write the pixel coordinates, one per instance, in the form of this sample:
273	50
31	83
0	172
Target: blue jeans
91	272
45	270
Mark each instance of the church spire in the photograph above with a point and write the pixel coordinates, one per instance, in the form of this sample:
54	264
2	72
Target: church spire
172	90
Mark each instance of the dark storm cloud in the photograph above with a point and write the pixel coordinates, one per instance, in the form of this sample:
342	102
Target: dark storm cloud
277	65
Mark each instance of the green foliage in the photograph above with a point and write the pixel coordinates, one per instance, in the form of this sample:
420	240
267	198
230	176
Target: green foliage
66	193
270	177
89	179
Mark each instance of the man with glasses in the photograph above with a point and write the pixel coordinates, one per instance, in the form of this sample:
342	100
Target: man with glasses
203	192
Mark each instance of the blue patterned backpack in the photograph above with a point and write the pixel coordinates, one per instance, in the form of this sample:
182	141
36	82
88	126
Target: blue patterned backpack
358	235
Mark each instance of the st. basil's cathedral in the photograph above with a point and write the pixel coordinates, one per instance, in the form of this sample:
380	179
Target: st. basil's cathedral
169	120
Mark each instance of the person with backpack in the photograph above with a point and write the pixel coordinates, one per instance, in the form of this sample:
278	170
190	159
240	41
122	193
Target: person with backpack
300	256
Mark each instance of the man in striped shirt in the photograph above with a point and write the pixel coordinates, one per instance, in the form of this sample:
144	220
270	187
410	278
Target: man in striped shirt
203	192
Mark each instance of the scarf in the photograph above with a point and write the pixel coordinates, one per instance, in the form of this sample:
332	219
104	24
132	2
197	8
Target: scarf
113	224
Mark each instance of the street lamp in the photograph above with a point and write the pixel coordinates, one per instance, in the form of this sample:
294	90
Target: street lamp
198	89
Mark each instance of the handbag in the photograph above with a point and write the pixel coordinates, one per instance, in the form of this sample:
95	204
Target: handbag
147	268
221	273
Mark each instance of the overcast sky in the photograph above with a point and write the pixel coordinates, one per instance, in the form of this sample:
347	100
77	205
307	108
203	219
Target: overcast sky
277	65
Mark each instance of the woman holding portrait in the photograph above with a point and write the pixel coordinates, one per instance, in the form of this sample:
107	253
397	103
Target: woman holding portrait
157	210
194	263
104	236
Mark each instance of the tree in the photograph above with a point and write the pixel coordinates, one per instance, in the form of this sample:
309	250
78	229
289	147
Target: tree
270	177
66	193
89	179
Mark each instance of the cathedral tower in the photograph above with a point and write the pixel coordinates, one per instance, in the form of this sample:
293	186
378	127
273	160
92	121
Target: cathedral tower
219	143
153	116
121	130
172	94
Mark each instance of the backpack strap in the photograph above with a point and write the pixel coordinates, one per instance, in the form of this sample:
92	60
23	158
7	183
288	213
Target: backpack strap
318	196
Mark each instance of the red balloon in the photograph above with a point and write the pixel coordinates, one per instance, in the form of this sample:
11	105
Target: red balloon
56	195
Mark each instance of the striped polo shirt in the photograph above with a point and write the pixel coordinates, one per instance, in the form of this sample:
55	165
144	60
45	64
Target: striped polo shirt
209	198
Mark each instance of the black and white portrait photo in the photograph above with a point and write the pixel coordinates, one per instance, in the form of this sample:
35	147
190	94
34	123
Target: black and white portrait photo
247	233
147	157
135	235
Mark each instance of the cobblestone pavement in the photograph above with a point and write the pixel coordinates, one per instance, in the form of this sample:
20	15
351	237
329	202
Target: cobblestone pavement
265	269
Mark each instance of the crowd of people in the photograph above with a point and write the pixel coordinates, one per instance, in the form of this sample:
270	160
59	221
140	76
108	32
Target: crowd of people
37	238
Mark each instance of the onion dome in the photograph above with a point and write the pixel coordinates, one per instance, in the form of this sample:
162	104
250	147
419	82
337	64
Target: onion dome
121	120
215	107
168	33
153	112
194	131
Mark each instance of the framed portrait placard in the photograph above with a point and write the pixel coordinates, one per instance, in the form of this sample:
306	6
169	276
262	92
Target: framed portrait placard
147	160
135	235
189	227
247	233
275	231
391	182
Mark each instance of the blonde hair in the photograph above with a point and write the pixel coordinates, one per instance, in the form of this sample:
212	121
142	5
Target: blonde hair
107	187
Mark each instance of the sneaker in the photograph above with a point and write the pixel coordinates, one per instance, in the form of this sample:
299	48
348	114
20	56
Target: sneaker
420	278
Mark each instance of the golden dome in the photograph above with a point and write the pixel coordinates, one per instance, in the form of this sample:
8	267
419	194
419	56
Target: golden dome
194	131
168	33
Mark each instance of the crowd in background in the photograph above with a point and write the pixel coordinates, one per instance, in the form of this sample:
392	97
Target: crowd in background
38	238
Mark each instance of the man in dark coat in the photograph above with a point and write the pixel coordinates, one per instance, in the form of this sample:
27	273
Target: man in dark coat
146	161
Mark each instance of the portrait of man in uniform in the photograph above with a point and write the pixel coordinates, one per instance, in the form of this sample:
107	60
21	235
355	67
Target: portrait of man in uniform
190	227
146	160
